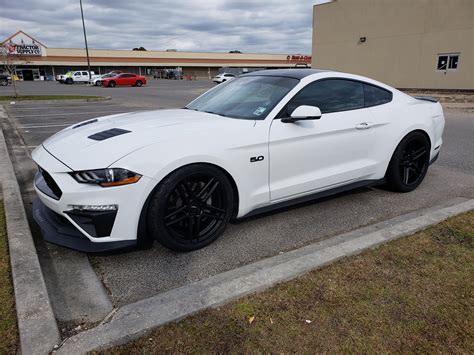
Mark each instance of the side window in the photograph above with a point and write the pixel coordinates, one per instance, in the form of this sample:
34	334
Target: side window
330	95
78	73
376	96
85	73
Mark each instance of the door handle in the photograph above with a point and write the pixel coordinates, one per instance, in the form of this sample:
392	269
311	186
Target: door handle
364	125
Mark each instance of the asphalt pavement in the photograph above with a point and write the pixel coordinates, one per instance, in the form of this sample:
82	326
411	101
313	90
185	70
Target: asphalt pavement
136	275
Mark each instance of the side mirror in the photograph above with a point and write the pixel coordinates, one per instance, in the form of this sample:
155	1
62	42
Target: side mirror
303	112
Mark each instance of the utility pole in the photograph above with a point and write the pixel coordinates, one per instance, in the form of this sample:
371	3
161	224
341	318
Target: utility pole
85	40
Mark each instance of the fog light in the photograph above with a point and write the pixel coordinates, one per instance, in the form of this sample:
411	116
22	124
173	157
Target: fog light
97	208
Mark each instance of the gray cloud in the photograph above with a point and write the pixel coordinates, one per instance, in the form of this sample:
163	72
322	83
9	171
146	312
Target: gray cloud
272	26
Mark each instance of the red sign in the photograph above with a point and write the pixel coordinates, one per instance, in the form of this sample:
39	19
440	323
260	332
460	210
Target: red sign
299	58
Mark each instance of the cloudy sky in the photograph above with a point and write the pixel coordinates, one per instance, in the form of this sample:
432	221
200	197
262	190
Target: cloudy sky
271	26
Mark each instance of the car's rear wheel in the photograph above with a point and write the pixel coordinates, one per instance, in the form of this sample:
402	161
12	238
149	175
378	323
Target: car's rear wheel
112	84
191	207
138	83
409	163
3	82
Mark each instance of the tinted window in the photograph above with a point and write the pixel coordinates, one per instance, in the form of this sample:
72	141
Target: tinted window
84	73
376	96
127	75
330	96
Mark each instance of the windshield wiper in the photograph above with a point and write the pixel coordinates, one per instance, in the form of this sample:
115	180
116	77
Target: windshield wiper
216	113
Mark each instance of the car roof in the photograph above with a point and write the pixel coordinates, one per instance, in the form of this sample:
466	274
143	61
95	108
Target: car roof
288	73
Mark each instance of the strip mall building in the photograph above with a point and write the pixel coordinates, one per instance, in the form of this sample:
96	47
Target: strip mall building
36	61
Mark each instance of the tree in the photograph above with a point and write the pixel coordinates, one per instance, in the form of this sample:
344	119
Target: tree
235	51
8	63
139	49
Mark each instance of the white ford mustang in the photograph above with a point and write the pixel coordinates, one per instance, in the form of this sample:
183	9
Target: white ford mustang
258	142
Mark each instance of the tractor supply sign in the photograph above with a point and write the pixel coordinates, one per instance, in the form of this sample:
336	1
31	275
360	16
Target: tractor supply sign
23	49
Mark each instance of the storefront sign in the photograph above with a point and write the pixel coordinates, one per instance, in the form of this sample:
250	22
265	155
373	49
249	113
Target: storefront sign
301	58
23	49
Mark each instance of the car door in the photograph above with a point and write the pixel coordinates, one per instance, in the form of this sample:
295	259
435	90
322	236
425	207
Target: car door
77	76
313	155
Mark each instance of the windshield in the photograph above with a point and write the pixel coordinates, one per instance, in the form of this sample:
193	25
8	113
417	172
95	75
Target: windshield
248	97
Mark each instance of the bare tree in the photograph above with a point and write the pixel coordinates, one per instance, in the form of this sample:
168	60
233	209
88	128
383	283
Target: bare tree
8	63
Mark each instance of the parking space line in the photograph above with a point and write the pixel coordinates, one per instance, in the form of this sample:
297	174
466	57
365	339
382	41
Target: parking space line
45	126
70	113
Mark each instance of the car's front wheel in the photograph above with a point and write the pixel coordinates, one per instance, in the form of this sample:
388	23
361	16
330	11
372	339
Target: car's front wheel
138	83
191	207
409	163
111	84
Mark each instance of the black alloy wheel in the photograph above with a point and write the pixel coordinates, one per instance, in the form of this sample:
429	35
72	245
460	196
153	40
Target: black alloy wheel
112	84
68	81
191	207
138	83
3	82
409	163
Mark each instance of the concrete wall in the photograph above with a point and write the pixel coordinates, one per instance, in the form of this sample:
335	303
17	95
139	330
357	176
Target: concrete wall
403	40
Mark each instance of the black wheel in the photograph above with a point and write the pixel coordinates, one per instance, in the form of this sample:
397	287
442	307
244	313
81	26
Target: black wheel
112	84
409	163
138	83
68	81
3	82
191	207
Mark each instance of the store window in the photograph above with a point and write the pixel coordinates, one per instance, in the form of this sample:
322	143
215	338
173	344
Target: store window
448	61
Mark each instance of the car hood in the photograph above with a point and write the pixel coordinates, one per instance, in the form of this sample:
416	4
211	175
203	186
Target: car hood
74	147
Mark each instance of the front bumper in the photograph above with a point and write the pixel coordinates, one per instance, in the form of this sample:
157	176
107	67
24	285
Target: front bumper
58	230
84	216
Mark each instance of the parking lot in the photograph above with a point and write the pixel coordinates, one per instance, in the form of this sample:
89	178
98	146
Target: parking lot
136	275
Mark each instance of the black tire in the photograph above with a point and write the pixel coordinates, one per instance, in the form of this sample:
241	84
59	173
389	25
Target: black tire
112	84
139	83
68	81
409	163
3	82
191	207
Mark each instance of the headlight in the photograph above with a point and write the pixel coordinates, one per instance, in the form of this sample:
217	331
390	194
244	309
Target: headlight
106	177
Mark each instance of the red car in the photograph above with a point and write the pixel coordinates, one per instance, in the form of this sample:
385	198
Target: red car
125	79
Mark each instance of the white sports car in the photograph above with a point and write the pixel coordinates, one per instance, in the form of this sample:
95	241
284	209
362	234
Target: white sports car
261	141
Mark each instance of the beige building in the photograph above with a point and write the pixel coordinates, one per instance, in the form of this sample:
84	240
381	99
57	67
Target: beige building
404	43
36	61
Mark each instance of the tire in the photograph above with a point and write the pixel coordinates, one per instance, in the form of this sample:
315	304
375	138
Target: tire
138	83
68	81
4	82
191	207
112	84
409	163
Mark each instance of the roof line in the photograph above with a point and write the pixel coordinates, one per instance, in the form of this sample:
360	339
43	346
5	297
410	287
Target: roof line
26	34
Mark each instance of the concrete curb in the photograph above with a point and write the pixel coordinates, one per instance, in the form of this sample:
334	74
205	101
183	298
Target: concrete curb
136	319
36	322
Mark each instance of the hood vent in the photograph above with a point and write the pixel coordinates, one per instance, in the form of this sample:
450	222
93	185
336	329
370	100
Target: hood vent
113	132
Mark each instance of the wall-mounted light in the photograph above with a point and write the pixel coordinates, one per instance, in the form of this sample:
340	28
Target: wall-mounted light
362	39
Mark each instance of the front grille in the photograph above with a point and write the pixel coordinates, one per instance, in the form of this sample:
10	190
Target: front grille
47	185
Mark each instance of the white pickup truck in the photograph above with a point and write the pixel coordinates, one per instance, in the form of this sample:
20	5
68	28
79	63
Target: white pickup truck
72	77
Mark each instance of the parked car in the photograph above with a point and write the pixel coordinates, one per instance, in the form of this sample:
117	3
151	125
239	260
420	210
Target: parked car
80	76
223	77
98	81
262	141
5	79
124	79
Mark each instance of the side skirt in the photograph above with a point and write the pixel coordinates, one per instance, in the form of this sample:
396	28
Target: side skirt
315	196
